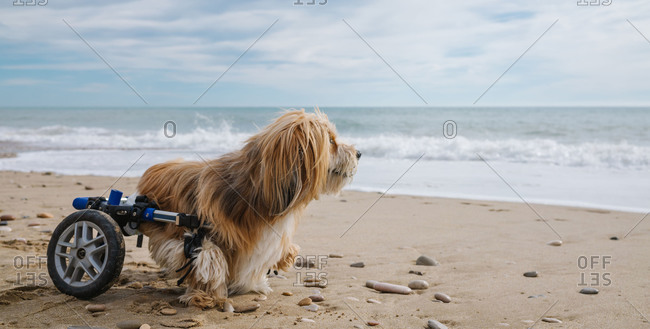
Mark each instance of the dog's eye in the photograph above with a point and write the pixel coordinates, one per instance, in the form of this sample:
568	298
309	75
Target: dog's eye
331	140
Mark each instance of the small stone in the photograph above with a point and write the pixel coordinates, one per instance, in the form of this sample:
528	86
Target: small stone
88	188
555	243
5	229
416	272
7	217
136	285
246	308
442	297
614	238
3	223
287	293
335	256
316	298
33	224
227	307
418	284
321	284
311	307
304	302
373	323
392	288
307	320
531	274
589	291
426	261
129	324
96	315
92	308
311	279
20	240
373	301
145	326
168	311
551	320
44	215
354	299
371	283
358	264
433	324
301	263
260	298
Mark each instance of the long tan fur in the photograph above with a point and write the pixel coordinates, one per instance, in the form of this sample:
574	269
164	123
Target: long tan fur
252	198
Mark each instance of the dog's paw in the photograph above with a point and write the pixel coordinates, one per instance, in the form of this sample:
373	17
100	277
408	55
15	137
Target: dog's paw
288	258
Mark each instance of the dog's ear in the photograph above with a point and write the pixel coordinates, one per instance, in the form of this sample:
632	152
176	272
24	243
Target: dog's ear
295	159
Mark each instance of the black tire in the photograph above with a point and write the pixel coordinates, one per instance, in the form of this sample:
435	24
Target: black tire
84	243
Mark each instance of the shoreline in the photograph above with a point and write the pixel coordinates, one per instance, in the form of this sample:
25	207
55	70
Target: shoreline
451	196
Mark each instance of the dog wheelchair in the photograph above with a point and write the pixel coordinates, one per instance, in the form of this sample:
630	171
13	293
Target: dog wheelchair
85	254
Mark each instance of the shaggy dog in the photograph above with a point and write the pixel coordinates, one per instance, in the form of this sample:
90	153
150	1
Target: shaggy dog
252	198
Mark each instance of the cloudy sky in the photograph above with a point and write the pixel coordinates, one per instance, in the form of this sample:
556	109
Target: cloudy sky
361	53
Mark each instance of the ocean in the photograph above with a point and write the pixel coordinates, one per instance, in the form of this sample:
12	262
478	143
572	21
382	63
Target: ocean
577	156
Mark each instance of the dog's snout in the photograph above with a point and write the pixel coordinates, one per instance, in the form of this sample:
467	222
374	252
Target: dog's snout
358	154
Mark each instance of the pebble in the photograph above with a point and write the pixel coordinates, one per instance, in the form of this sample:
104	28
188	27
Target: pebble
358	264
7	217
311	307
136	285
145	326
442	297
307	320
373	323
3	223
168	311
304	263
321	284
246	308
551	320
287	293
22	240
316	298
418	284
392	288
373	301
531	274
354	299
536	296
311	279
555	243
416	272
33	224
92	308
97	314
260	298
589	291
129	324
227	307
426	261
5	229
433	324
614	238
304	301
44	215
88	188
335	255
371	283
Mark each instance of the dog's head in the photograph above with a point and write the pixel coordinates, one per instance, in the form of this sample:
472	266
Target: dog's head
300	158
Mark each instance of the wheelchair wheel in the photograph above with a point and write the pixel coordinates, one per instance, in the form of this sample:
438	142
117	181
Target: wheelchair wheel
85	254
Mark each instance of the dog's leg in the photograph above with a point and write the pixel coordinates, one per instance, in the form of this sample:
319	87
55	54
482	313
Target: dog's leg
207	281
289	255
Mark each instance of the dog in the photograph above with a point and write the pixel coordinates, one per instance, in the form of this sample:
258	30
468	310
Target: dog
252	198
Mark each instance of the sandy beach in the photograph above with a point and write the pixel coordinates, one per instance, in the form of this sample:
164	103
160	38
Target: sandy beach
483	249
